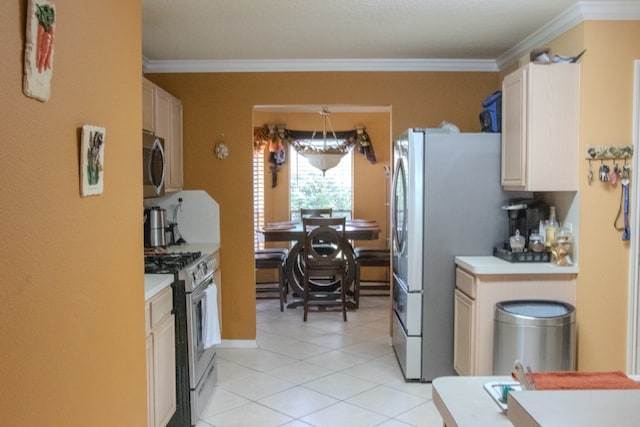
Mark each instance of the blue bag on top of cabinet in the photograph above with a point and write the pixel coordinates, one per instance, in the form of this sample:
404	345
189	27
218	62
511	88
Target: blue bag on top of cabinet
491	115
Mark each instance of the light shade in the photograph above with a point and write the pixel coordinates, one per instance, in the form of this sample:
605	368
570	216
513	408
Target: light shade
323	161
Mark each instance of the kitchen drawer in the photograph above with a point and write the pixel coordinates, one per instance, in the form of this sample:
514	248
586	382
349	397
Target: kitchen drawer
466	283
161	306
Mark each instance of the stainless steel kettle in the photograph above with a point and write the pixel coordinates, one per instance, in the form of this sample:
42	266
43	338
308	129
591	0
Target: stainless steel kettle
154	227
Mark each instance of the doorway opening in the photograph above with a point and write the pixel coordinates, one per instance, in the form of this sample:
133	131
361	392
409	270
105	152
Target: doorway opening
365	197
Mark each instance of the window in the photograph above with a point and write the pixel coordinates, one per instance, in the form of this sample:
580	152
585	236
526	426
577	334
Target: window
258	198
309	189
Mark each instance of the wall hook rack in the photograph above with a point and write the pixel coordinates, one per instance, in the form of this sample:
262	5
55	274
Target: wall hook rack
609	152
612	154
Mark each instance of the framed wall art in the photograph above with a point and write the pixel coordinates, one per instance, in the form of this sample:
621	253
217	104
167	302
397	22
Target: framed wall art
38	52
92	161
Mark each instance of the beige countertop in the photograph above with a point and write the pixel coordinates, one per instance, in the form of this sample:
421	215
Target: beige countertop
492	265
463	402
155	283
584	408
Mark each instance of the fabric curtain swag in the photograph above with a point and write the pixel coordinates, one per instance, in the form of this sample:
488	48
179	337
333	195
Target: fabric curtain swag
322	153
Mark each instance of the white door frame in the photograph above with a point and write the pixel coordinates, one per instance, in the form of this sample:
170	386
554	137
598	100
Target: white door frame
633	329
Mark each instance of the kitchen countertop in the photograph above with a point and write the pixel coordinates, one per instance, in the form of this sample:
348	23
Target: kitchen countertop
463	402
584	408
154	283
493	265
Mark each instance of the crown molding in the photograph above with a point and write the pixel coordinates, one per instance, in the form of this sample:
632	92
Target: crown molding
318	65
307	108
578	13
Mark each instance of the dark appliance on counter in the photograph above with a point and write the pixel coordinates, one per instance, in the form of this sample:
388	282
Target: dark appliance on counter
153	165
195	365
525	216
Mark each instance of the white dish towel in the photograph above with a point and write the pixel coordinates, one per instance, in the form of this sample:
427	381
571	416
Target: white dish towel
210	323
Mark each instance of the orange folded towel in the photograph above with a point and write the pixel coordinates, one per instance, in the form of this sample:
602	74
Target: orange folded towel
615	380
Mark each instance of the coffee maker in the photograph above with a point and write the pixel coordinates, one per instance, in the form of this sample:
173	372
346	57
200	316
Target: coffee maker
155	227
525	216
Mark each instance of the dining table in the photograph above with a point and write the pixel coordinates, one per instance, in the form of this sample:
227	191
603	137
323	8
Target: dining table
292	231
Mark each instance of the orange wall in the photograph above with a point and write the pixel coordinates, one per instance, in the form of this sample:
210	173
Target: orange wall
72	334
223	103
607	119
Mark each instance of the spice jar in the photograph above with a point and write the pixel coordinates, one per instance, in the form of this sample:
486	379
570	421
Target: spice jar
516	242
535	242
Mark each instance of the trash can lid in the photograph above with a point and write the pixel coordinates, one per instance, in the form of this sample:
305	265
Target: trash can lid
535	312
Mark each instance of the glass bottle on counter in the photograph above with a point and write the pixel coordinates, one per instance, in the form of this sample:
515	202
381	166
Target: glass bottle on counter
551	227
562	247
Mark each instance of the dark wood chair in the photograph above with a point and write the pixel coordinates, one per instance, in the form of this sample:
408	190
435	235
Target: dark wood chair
268	259
324	212
371	257
318	264
325	247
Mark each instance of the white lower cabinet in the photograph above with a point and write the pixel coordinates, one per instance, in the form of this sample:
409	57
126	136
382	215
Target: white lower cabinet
475	300
161	359
464	324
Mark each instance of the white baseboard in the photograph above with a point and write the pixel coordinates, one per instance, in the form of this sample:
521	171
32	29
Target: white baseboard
238	344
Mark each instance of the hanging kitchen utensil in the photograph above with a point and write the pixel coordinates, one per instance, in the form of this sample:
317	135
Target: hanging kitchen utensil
519	375
624	204
615	174
604	173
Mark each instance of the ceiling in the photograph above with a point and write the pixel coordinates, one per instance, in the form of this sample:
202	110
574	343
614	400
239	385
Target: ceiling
307	35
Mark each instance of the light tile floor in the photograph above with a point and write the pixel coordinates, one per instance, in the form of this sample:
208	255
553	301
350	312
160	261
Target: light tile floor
324	372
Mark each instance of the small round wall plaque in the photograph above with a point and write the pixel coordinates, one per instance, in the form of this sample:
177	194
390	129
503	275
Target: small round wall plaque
222	151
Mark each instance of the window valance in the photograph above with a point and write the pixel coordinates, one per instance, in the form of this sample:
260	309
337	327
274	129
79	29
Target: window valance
275	139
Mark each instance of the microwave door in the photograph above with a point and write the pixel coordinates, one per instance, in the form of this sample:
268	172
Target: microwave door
153	165
156	166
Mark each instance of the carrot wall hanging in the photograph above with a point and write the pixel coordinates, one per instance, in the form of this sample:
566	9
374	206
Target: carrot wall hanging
38	54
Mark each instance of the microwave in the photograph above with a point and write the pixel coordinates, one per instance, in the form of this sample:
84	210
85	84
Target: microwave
153	165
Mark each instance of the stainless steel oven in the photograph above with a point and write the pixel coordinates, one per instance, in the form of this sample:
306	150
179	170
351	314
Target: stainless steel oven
200	316
195	364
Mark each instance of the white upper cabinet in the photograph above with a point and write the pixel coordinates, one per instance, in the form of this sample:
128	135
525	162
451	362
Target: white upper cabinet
148	105
162	115
540	128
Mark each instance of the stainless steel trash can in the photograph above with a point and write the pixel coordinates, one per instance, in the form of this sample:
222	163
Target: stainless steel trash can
539	333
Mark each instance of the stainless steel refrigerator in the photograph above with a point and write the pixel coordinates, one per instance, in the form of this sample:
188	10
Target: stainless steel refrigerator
446	202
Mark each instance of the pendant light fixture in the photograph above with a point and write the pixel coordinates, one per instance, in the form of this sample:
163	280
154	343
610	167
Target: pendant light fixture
327	153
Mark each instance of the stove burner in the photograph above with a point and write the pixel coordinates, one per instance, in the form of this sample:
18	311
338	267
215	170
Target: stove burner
169	262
